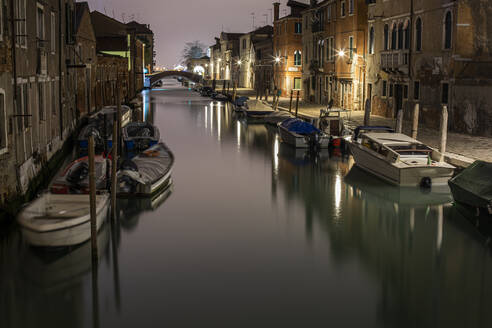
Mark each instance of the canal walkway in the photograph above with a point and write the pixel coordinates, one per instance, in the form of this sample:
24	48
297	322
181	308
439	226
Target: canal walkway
462	149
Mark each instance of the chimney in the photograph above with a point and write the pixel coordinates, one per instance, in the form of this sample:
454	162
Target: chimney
276	11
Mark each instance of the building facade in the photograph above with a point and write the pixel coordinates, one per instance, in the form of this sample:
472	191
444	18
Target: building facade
334	41
224	55
85	60
37	79
287	48
146	36
433	53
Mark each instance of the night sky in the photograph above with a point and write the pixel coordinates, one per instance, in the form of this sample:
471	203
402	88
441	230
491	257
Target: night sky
176	22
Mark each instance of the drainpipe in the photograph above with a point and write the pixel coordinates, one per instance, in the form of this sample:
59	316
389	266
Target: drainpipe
15	96
60	42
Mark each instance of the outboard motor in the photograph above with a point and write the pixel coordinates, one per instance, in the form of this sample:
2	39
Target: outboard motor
426	183
313	141
127	184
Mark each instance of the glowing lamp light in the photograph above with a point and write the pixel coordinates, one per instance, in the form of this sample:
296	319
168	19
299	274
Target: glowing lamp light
341	53
239	62
219	60
277	59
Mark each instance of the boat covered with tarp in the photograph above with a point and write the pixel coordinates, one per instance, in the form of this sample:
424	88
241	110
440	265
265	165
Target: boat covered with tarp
473	188
301	134
138	136
147	173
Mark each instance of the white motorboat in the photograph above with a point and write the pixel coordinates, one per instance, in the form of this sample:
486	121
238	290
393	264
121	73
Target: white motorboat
146	174
302	134
398	159
332	124
55	220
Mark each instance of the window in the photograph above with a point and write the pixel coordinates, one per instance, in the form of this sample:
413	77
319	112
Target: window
400	36
418	34
328	13
342	9
406	33
371	40
351	47
244	43
331	48
41	101
297	83
351	7
386	37
321	50
298	28
391	90
393	37
448	30
20	28
22	106
445	93
40	26
405	91
297	58
305	56
69	13
53	33
385	89
3	123
416	90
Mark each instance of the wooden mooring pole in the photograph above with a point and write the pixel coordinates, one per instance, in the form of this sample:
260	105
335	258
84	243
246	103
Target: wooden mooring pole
399	121
291	96
92	197
415	125
444	131
297	103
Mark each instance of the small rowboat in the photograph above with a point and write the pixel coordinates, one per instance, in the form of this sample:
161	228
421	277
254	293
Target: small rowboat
56	220
300	134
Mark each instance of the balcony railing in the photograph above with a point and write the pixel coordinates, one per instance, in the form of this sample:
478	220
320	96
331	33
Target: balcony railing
394	60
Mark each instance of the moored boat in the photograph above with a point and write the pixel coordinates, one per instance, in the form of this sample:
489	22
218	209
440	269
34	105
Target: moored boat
74	179
55	220
398	159
472	188
147	173
255	111
332	124
139	136
301	134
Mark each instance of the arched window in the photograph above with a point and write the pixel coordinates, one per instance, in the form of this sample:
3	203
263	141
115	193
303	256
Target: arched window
400	36
393	37
297	58
371	40
406	32
386	37
418	34
448	30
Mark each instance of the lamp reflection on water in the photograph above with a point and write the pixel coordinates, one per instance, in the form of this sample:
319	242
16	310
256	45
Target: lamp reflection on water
338	192
145	95
276	150
219	116
238	128
206	117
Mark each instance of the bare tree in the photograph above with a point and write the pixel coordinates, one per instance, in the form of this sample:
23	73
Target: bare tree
193	50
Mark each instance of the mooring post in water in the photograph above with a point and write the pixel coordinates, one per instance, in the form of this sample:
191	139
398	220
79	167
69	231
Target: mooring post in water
415	125
291	96
297	103
399	121
444	131
114	166
92	197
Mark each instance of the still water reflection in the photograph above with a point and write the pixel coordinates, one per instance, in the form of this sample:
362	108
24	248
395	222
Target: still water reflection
257	234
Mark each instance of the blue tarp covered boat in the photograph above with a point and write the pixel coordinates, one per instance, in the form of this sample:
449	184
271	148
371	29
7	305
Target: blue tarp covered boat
299	126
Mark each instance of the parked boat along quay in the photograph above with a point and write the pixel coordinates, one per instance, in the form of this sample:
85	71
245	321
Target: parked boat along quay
255	233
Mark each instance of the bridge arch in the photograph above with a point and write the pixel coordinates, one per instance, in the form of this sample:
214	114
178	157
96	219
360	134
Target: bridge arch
187	75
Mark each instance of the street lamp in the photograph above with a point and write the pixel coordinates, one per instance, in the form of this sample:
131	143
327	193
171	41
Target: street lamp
341	53
239	62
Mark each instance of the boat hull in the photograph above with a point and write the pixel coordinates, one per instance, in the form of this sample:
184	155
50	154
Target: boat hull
73	231
299	141
408	176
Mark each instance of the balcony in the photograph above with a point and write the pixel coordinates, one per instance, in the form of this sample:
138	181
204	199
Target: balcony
395	60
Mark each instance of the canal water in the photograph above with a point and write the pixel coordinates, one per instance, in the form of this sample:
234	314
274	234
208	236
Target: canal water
257	234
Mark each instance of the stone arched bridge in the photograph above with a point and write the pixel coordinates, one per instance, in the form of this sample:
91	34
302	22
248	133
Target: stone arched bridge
161	75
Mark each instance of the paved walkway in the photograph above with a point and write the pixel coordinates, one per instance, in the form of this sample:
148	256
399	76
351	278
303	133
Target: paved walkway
461	147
